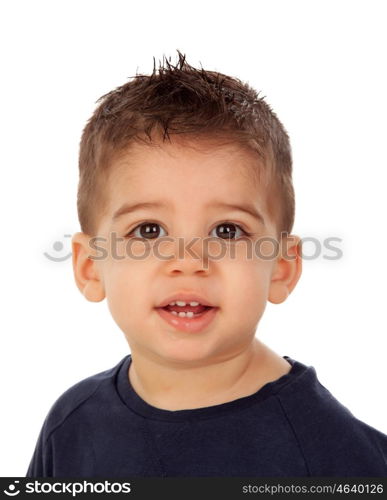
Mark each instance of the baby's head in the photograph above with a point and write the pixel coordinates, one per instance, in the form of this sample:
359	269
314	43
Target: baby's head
185	178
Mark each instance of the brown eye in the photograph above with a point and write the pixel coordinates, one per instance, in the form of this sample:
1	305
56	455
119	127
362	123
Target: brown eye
147	230
227	231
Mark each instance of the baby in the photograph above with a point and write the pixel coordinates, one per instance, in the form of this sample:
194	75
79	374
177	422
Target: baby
186	207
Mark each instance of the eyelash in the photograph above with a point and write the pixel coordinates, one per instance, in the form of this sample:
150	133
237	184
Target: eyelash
245	233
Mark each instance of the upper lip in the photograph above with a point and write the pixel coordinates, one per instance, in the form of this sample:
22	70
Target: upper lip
186	297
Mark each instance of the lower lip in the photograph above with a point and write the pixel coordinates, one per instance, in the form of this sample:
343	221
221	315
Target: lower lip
191	325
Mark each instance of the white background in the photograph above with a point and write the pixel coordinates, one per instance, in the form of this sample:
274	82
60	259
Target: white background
321	66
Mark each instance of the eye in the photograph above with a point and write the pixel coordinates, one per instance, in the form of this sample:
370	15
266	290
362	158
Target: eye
228	230
147	230
151	230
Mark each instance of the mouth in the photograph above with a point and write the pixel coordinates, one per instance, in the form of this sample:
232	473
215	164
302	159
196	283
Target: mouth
188	310
188	318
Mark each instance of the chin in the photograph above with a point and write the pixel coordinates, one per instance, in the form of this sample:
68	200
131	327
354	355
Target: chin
183	354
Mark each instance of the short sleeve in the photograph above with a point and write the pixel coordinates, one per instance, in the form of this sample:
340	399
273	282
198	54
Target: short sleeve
41	464
380	441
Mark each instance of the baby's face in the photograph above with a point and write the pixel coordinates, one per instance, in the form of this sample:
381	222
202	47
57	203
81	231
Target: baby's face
192	188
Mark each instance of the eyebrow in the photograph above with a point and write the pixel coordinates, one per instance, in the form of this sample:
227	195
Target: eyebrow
243	207
128	209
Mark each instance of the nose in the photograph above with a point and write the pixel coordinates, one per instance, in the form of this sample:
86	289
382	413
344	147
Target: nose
188	256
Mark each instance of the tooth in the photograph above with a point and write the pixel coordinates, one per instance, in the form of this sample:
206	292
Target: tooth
172	303
188	314
180	303
193	304
174	313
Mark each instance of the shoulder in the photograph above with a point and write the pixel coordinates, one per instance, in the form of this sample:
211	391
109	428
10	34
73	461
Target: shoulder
81	397
332	440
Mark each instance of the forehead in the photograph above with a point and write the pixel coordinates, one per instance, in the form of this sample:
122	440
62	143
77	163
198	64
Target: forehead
186	174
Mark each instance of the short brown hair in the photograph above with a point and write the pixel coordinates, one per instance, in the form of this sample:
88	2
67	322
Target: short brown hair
180	99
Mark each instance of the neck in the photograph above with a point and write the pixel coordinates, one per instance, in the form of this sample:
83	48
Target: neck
177	387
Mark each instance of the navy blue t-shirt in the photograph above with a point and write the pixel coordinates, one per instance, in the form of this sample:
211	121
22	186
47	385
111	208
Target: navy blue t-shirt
293	426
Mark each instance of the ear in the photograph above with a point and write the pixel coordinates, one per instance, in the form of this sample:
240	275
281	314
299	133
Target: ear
287	269
86	272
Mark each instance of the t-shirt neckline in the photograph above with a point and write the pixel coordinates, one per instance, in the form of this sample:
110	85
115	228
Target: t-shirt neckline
135	403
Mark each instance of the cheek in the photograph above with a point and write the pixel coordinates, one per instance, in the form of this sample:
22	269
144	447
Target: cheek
126	290
248	282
